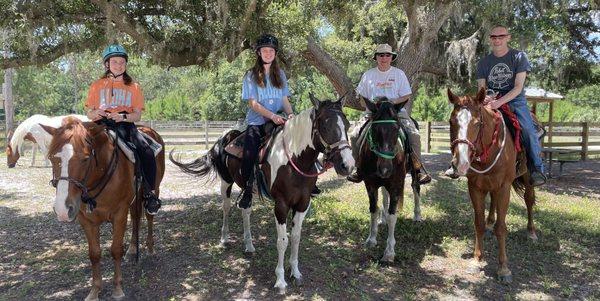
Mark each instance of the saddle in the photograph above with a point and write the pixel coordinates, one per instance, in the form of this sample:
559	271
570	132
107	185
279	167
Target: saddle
514	128
128	148
236	146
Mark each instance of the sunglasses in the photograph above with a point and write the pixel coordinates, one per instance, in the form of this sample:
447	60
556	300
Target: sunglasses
499	36
384	54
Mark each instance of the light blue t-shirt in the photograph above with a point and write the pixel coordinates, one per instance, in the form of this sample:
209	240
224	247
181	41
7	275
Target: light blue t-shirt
269	97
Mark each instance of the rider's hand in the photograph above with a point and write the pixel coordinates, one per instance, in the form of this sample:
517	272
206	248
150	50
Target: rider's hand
117	117
277	119
489	99
97	114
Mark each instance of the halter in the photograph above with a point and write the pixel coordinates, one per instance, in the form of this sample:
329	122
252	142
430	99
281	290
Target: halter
328	148
485	149
373	145
85	197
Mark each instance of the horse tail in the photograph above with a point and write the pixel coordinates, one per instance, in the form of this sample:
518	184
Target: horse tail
213	160
519	186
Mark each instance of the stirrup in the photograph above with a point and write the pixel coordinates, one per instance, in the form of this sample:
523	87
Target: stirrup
152	203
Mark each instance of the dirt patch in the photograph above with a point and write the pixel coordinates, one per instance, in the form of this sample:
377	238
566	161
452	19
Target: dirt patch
43	259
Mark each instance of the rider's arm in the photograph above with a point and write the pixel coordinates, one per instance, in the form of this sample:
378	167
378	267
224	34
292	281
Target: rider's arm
519	83
287	107
258	108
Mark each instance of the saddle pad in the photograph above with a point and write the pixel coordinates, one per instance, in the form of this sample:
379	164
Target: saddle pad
129	153
236	146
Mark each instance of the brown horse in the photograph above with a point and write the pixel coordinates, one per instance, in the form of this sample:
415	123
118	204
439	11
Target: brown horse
88	167
473	130
289	173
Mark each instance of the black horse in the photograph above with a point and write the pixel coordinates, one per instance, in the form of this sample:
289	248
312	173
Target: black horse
289	170
383	162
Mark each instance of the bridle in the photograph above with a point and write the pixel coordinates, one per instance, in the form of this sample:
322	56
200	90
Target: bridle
82	184
479	140
373	145
327	148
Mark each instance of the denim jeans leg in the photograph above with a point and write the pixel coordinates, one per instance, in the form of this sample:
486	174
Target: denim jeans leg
528	134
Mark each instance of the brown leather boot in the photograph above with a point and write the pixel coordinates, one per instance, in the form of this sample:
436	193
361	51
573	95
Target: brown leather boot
421	173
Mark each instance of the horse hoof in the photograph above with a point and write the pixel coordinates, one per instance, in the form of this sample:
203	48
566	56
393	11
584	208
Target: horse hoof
298	281
249	250
118	294
417	219
505	279
370	243
533	237
280	288
388	258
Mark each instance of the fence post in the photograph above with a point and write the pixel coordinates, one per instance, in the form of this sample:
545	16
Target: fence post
205	133
585	140
428	137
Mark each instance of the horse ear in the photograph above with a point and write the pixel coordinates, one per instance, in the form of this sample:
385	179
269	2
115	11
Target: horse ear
452	98
399	106
316	103
371	106
50	130
480	95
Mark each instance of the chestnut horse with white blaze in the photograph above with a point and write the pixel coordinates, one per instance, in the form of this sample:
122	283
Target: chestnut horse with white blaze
476	130
289	171
89	168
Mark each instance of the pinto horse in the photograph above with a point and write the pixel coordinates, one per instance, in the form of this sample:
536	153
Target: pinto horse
383	164
30	130
88	167
289	173
476	130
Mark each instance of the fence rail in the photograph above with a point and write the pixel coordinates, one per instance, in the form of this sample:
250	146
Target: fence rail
580	136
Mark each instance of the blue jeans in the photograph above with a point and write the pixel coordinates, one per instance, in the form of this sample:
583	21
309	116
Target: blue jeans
529	138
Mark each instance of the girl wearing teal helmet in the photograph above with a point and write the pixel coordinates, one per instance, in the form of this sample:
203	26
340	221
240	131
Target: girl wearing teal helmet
117	101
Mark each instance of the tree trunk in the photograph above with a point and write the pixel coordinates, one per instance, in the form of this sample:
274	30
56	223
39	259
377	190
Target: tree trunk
9	108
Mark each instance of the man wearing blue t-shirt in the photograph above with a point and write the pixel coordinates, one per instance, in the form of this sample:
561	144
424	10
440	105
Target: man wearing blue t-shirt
504	71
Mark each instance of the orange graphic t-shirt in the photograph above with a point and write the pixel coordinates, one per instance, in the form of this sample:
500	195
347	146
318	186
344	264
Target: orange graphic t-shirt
111	96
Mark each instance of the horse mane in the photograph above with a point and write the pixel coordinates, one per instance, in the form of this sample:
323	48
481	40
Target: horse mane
298	132
18	137
72	131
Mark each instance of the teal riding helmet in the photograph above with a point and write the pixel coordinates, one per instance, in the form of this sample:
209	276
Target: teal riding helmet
114	50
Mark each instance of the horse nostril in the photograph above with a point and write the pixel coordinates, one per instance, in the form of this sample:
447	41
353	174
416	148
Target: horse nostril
71	211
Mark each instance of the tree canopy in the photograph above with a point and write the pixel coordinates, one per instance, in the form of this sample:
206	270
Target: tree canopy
438	41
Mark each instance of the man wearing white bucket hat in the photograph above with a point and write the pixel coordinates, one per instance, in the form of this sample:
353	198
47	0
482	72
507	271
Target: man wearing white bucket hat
391	82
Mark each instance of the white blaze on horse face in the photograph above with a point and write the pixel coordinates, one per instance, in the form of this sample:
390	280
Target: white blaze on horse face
346	153
62	189
464	118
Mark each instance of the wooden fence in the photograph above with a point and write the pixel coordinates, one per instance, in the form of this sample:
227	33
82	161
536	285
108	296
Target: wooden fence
583	137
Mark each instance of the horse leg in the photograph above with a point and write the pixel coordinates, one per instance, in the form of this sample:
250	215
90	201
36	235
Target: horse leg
281	211
150	231
386	205
373	208
33	151
295	240
116	250
247	234
416	188
478	202
530	202
226	194
396	200
502	198
491	219
92	233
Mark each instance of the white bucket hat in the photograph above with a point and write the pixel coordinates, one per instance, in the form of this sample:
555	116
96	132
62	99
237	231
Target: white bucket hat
384	48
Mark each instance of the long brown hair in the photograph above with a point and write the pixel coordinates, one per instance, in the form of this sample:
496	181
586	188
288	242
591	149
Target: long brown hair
126	78
258	73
